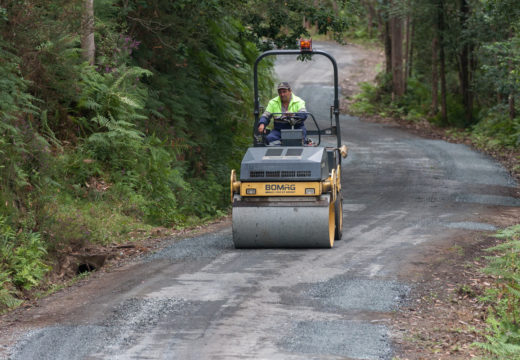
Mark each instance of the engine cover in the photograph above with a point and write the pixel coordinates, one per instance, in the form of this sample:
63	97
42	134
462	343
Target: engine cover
303	163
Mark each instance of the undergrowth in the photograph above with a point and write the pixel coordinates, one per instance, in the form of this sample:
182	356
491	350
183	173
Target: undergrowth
22	264
92	155
503	331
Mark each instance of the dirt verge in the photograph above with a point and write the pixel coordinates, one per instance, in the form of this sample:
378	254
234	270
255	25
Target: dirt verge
445	314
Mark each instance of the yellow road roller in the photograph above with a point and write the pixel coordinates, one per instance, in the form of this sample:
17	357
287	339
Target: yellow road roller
289	192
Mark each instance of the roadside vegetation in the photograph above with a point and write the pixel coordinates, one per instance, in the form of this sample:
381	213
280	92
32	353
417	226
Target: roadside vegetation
452	66
121	117
503	298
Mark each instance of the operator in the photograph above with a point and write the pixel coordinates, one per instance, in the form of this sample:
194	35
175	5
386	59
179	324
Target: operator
285	103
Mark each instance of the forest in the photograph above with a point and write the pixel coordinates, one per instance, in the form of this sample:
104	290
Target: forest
120	116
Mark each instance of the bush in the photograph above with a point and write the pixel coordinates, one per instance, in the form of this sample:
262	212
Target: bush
497	129
504	318
367	101
77	221
22	265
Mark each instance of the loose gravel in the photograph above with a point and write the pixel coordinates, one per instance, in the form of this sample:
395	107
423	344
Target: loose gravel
340	338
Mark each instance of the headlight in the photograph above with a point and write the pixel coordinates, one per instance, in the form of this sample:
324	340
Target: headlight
250	191
310	191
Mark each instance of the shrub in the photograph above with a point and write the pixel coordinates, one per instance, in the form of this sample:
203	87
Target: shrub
504	319
22	263
497	129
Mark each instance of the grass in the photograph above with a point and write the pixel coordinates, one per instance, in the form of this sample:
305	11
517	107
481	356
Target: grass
77	221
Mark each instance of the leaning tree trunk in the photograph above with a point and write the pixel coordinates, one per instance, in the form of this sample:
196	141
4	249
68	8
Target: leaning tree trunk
87	32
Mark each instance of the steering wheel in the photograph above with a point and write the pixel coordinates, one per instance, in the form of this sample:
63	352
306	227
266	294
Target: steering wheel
289	118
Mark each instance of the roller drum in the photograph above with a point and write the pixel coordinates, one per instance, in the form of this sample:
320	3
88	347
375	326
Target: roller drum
284	224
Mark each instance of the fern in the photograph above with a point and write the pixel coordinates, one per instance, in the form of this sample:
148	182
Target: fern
504	330
21	262
115	103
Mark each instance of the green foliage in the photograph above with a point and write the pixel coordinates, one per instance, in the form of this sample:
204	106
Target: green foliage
374	99
503	339
497	129
28	266
21	147
114	103
455	113
21	262
96	216
481	47
161	182
147	135
280	24
367	101
504	319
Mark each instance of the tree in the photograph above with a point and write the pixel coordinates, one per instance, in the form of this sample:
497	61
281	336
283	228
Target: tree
396	31
435	76
87	32
442	60
465	55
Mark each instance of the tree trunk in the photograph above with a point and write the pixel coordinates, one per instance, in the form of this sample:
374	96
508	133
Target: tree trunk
388	47
511	97
87	32
407	51
442	61
371	15
316	5
410	56
397	56
369	22
435	77
512	110
464	71
381	24
386	37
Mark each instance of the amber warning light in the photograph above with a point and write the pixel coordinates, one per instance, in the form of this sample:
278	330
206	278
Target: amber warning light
306	44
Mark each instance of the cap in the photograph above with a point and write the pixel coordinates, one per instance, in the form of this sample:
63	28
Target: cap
284	85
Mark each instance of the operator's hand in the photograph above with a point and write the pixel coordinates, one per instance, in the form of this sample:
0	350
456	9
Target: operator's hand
261	128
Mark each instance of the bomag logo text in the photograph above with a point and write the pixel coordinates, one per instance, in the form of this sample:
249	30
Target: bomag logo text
280	187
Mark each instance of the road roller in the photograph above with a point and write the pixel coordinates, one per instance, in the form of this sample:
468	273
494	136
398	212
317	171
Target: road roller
288	193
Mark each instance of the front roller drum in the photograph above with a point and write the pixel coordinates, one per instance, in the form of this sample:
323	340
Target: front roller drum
270	224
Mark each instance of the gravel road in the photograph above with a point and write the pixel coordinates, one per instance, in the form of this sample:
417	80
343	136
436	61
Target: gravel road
199	298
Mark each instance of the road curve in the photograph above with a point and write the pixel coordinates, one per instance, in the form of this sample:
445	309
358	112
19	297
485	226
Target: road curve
199	298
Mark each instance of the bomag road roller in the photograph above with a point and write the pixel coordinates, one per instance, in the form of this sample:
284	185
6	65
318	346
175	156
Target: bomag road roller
289	194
